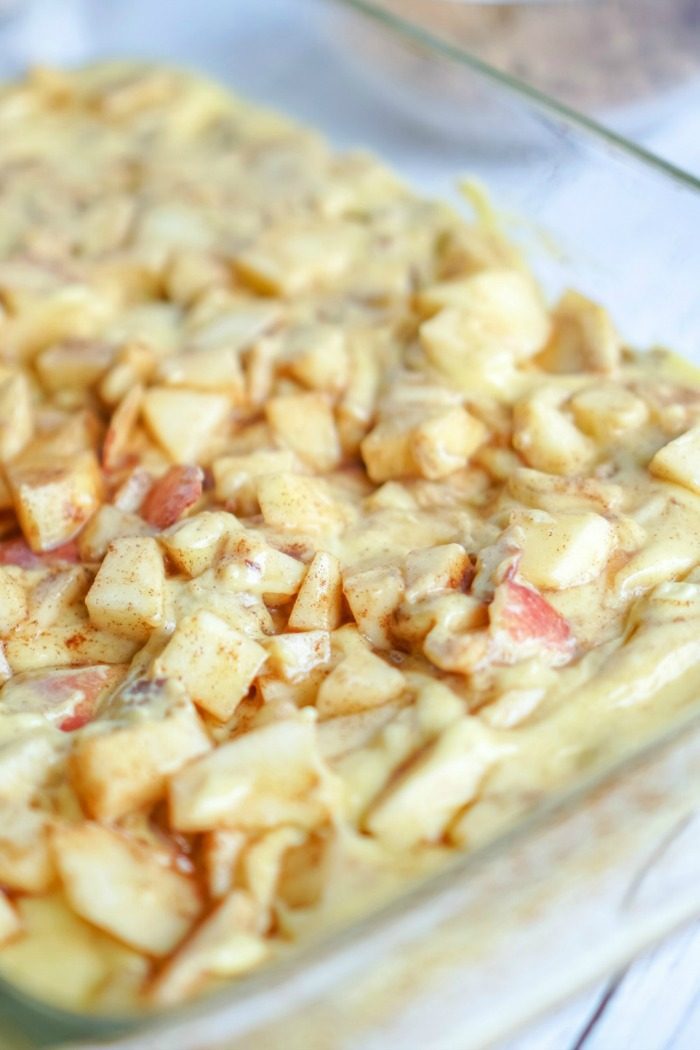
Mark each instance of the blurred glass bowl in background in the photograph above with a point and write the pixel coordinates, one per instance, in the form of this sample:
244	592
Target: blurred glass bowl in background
621	61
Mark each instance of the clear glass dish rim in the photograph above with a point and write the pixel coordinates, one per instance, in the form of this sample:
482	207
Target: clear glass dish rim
68	1024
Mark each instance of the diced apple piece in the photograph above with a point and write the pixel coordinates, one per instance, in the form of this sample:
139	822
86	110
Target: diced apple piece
286	261
252	565
505	307
216	664
338	736
106	224
16	415
185	422
444	441
454	292
124	762
519	691
73	363
318	604
54	496
61	310
294	656
387	451
430	570
679	460
13	601
219	322
164	225
29	759
217	369
132	367
565	550
373	596
276	691
194	545
416	393
152	327
317	357
5	669
264	777
472	358
607	410
124	888
108	524
228	943
670	550
367	772
524	624
172	495
584	337
356	409
459	652
6	504
67	697
24	281
261	371
294	501
240	609
429	441
236	477
53	597
127	594
423	800
133	490
262	860
547	437
191	273
221	851
10	924
348	641
478	344
553	493
66	644
62	959
77	432
121	91
501	463
26	864
305	423
360	681
121	425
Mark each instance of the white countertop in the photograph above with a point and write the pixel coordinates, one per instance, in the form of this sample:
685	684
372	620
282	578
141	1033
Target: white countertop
653	1005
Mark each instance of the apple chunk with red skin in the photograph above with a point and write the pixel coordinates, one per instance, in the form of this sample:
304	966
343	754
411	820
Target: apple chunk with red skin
68	697
523	623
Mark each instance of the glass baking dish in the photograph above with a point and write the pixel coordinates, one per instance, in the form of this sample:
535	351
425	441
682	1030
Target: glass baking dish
598	874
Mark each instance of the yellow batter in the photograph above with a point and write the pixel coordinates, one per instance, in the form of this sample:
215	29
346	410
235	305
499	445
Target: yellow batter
327	547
